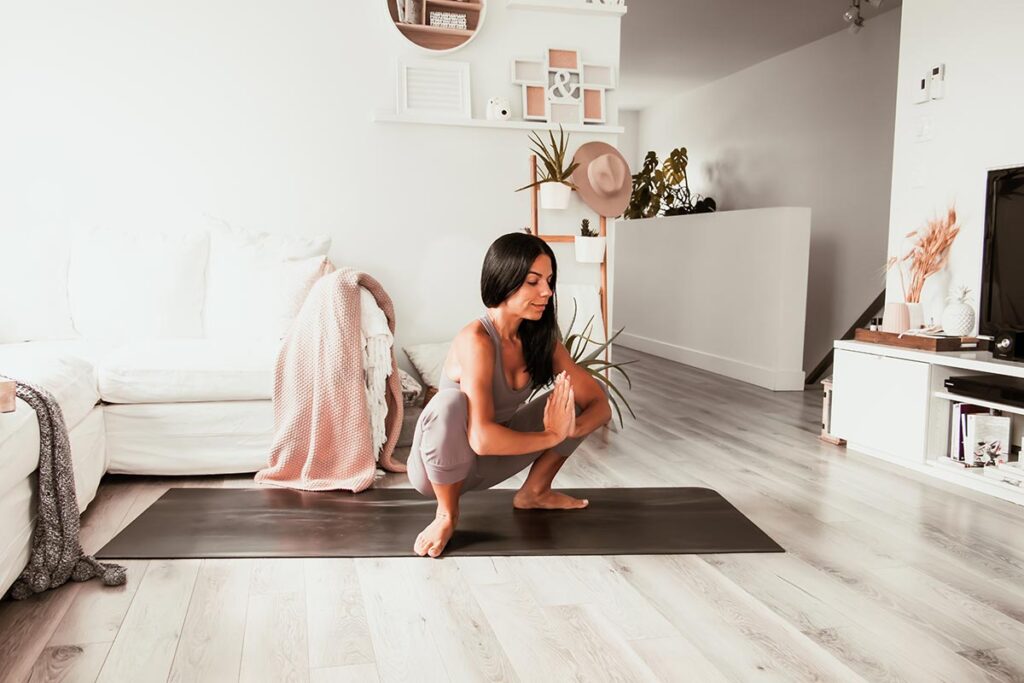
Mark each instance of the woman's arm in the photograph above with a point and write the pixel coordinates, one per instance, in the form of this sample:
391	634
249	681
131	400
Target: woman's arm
486	437
596	411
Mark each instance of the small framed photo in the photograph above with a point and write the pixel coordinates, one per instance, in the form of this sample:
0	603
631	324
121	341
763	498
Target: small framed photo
434	88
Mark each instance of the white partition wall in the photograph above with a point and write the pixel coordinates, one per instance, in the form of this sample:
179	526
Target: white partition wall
725	292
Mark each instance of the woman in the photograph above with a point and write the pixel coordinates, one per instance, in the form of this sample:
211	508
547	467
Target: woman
476	432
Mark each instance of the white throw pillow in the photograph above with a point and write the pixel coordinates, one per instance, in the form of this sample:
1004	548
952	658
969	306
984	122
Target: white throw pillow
428	359
136	285
257	282
34	295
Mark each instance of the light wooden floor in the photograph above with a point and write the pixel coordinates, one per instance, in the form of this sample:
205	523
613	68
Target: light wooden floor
887	577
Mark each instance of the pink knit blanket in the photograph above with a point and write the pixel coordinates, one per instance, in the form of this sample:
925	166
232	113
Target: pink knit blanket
322	429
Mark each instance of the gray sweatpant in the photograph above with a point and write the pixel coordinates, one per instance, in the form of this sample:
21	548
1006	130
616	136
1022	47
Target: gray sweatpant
440	448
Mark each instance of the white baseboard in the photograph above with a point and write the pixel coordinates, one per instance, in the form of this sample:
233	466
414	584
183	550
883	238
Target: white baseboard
769	378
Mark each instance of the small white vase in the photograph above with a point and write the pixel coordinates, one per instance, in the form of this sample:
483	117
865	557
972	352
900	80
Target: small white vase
896	318
934	294
915	313
590	249
554	195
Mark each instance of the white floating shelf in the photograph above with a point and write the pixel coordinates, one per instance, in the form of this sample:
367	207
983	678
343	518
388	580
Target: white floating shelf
599	129
568	6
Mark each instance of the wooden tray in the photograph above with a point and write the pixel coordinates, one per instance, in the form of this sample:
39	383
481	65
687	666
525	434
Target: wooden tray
922	343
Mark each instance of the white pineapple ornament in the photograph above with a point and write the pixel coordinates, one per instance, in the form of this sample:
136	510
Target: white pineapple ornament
958	316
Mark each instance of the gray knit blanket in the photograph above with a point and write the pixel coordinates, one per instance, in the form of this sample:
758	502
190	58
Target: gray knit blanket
56	550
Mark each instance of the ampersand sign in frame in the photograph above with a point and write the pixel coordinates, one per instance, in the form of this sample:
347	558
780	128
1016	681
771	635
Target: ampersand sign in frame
561	88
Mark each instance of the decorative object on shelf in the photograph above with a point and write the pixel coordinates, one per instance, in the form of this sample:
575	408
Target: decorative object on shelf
440	89
918	340
602	178
958	317
562	88
896	317
409	11
589	244
665	191
934	296
456	20
498	109
437	25
927	255
915	315
554	184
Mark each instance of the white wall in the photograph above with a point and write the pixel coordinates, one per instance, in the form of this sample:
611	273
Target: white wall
811	127
721	291
153	115
629	141
975	127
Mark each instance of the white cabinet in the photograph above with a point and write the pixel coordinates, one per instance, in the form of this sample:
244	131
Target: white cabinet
880	404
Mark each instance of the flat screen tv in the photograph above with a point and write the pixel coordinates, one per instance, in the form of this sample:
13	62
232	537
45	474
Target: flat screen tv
1002	270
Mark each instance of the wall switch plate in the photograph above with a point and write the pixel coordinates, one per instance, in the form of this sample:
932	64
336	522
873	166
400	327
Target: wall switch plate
921	93
937	82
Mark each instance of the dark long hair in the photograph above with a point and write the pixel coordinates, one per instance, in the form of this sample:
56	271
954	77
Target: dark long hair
505	268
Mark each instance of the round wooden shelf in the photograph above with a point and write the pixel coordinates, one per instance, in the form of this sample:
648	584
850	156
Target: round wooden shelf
437	38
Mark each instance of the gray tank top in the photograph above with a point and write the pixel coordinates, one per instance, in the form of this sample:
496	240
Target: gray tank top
506	400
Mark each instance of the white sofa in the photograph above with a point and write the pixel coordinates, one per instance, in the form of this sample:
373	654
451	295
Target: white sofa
159	348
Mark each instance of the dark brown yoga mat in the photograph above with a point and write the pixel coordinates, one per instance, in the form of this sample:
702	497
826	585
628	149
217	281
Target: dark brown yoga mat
208	522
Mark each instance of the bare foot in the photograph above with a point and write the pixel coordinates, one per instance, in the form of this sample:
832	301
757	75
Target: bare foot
434	538
547	500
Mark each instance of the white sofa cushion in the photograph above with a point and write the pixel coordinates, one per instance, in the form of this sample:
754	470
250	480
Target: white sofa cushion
71	380
34	298
128	285
188	370
189	438
256	282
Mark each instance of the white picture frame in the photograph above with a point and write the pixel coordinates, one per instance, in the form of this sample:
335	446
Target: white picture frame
437	89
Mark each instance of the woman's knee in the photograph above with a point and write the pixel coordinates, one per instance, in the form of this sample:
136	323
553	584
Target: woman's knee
444	445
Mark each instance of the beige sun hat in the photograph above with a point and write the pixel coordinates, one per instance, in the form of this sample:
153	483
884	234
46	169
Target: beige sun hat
602	178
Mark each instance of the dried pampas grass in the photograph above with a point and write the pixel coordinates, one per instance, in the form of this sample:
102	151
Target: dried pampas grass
929	254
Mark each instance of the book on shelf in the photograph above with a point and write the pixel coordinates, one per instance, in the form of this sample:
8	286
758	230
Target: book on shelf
958	428
987	439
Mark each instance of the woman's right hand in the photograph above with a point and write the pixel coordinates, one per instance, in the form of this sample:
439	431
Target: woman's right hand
560	409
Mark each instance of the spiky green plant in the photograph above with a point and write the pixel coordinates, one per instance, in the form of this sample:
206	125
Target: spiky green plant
552	159
586	231
576	343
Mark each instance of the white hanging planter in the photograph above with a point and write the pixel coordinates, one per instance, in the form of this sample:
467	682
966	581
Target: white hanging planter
554	195
589	249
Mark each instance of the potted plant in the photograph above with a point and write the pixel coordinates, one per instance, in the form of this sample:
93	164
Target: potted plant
555	186
665	191
589	245
576	344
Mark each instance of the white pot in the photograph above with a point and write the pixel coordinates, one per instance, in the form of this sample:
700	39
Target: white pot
554	195
934	295
589	249
915	313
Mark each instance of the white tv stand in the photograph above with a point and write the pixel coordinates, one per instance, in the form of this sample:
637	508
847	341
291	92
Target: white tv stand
890	402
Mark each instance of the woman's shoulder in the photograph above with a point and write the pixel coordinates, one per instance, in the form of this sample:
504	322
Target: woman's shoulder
471	338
